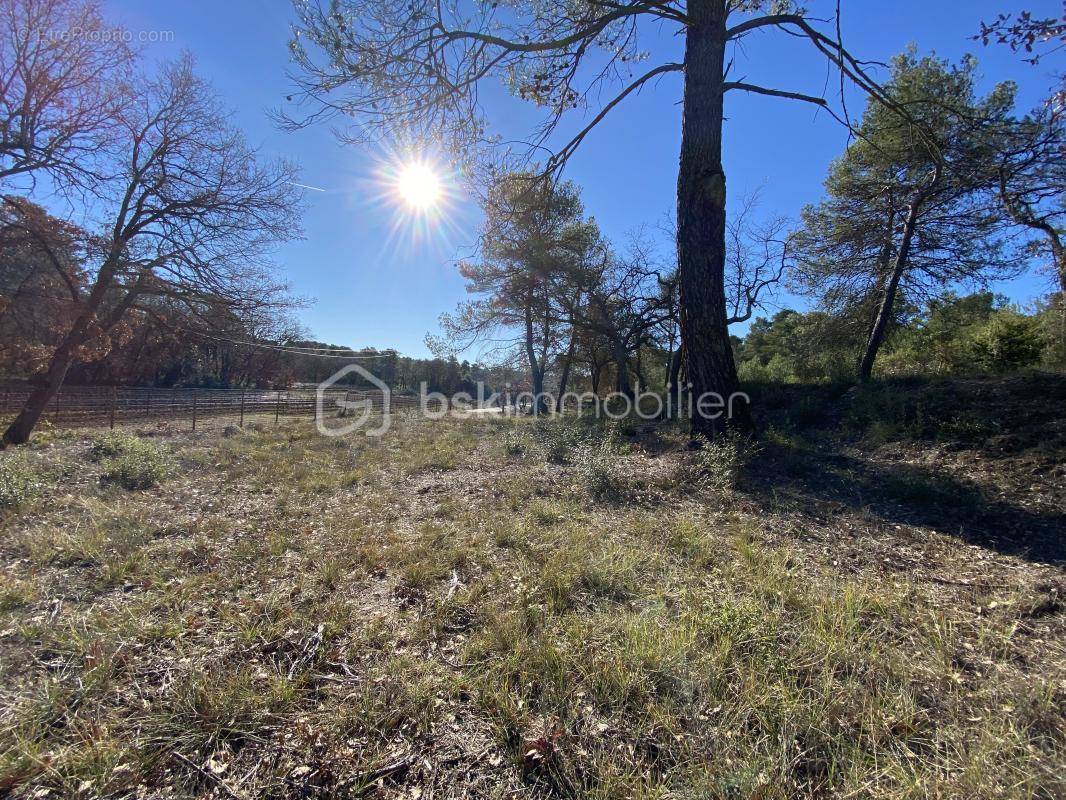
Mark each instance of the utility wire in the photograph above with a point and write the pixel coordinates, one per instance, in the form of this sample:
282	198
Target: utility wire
320	352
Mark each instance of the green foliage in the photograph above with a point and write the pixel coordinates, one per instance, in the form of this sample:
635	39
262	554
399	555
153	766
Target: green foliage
1010	341
939	341
1052	316
17	483
515	442
130	462
112	444
974	334
910	199
597	464
792	347
556	438
717	463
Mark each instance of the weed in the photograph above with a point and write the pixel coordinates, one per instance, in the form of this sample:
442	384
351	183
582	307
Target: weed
915	487
130	462
15	593
598	466
716	464
515	443
18	483
113	444
653	649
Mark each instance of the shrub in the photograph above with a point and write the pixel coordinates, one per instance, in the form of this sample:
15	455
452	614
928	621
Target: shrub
597	465
134	464
556	439
1010	341
716	464
112	444
17	484
807	411
515	443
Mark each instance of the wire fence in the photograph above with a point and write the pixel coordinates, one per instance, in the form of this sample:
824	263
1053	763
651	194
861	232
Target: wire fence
97	406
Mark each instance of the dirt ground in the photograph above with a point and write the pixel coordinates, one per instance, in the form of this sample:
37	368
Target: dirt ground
867	603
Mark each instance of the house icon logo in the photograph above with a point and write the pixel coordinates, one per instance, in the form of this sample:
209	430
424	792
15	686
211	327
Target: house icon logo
361	411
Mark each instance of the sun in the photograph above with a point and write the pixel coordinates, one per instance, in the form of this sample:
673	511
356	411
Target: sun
419	186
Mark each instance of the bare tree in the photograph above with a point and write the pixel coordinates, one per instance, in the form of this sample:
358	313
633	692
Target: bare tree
191	214
415	69
757	257
623	303
1032	181
64	84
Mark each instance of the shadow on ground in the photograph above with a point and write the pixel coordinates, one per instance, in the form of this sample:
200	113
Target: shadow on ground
907	494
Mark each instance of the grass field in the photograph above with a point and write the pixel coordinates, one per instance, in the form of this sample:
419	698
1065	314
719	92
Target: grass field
507	608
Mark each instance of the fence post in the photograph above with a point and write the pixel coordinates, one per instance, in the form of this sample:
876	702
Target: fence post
7	398
242	408
277	406
55	410
148	404
194	409
111	411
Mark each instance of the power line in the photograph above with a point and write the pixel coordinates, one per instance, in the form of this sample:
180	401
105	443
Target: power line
320	352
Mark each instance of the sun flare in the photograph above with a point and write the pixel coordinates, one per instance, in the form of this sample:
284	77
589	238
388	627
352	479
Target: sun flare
419	186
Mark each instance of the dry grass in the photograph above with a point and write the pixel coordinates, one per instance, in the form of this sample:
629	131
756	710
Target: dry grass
489	608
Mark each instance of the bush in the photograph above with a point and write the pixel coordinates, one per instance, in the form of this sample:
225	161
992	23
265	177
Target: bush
130	462
556	439
515	443
776	370
17	484
1010	341
597	466
717	463
112	444
807	411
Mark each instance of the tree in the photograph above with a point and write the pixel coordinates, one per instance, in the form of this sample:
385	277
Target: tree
623	303
792	346
64	81
191	213
1009	342
1033	149
533	237
1032	181
909	211
40	280
415	69
1027	33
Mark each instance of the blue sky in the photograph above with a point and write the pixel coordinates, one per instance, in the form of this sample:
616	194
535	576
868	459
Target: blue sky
377	280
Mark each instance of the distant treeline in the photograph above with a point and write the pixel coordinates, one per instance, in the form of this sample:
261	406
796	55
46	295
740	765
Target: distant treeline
168	349
975	334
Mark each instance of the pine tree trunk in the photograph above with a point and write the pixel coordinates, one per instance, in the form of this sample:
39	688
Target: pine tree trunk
535	371
888	298
674	377
1058	253
564	376
621	360
701	217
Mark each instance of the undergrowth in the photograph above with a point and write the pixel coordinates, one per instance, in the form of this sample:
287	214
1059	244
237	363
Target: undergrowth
503	608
